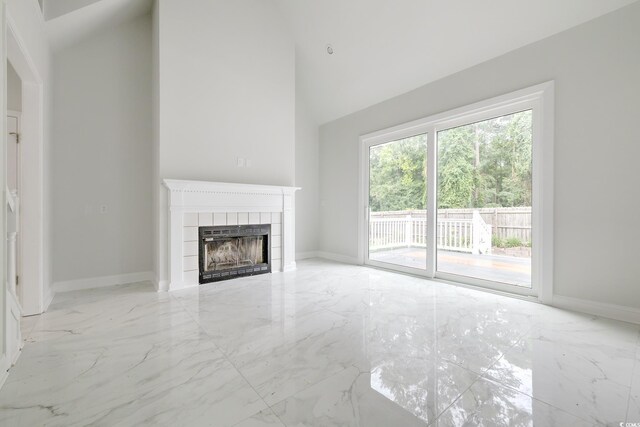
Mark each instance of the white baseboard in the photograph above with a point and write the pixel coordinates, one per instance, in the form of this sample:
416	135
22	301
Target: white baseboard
99	282
160	285
292	266
306	255
611	311
338	257
12	336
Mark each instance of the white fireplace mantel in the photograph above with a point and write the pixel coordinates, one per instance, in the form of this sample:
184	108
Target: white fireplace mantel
200	203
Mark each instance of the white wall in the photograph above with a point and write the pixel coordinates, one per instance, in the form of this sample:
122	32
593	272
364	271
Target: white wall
307	177
102	155
596	68
226	90
155	123
5	363
14	89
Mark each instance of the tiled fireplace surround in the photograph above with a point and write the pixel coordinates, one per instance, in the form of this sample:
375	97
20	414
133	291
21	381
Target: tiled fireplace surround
193	204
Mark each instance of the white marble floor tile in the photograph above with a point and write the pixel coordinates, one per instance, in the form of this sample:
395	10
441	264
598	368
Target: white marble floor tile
474	334
264	418
167	378
327	345
582	368
349	399
139	360
487	403
27	324
292	357
633	406
425	387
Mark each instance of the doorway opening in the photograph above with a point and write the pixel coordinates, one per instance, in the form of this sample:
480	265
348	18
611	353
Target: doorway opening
14	164
25	172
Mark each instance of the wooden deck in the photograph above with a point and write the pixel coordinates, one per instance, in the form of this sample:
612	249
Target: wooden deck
504	269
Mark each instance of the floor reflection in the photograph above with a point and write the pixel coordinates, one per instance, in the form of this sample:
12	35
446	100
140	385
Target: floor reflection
328	344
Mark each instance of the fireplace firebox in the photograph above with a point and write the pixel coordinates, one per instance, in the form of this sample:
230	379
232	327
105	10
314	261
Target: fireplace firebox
227	252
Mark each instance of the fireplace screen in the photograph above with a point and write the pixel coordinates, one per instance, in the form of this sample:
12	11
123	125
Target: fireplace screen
233	251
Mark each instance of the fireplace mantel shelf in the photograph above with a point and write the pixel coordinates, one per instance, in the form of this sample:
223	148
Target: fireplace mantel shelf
187	198
226	187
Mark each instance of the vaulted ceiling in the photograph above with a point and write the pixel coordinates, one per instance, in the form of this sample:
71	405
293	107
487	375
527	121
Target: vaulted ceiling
381	48
69	21
384	48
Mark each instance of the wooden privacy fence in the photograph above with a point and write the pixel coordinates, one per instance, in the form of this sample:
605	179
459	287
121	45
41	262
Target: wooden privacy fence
506	223
462	235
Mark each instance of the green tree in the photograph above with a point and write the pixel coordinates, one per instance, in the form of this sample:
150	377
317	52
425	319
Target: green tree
483	164
506	160
456	172
486	164
398	175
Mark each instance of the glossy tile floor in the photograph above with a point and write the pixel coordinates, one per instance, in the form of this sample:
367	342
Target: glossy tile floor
327	345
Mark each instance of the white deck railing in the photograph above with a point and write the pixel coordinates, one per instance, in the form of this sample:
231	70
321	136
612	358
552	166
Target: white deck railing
462	235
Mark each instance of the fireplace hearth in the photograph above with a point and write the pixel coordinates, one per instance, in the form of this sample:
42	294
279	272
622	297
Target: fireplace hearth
228	252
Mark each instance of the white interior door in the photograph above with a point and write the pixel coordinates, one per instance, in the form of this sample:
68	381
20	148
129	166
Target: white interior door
13	179
13	164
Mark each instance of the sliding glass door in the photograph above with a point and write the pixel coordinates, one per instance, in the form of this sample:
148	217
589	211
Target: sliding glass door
455	196
397	203
485	199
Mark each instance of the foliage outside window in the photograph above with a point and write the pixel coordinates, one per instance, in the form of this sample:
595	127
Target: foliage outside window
483	164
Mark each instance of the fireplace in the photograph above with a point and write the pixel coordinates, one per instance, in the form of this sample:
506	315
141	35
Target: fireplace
227	252
194	204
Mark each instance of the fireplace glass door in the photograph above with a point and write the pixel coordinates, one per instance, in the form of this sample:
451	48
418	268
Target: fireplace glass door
229	253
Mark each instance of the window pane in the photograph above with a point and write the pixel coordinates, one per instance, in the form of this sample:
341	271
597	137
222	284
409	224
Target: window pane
397	201
484	199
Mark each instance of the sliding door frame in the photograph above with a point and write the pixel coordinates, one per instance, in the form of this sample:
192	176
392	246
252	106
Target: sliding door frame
366	145
539	99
